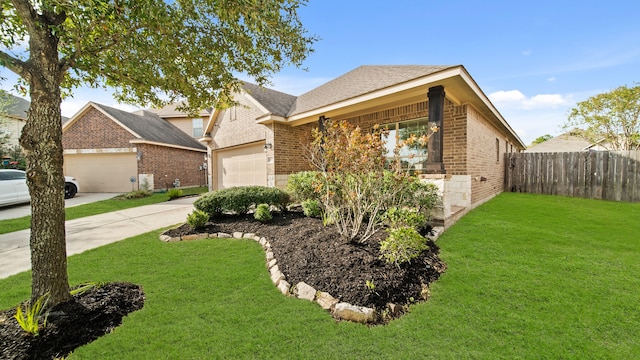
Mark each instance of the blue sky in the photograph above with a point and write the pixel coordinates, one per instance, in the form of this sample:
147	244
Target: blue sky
534	59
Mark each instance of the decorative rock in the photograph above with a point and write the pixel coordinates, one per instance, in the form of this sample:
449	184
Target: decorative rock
223	235
270	256
305	291
284	287
237	235
256	238
248	236
326	301
190	237
394	309
274	269
278	277
263	241
436	232
165	238
272	263
359	314
213	235
267	245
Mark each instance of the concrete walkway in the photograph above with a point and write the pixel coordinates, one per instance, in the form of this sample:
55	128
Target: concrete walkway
94	231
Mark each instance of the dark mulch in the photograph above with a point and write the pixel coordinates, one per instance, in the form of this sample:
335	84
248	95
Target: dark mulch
310	252
306	251
70	325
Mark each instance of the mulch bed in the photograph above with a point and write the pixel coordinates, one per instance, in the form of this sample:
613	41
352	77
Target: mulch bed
310	252
70	325
306	251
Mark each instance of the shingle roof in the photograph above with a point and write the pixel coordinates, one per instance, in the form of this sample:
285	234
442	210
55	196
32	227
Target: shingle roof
360	81
172	111
276	102
561	143
151	127
16	106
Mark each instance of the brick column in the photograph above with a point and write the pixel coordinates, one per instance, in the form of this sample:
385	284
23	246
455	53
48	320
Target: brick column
435	164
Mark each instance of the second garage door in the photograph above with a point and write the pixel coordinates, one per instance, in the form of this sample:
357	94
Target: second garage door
102	172
243	166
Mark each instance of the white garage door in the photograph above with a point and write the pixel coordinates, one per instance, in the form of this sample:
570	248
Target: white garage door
243	166
102	172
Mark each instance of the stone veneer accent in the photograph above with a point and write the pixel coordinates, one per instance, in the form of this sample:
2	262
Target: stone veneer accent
339	310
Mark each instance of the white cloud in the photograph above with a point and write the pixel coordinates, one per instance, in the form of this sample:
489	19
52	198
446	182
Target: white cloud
511	96
516	99
551	79
527	52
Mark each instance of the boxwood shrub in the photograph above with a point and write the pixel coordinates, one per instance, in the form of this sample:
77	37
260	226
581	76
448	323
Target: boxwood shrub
241	199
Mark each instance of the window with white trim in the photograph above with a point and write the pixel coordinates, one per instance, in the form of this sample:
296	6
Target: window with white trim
412	156
196	126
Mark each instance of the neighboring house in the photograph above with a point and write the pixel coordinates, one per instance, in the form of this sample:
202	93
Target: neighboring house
193	126
262	140
105	148
566	142
13	116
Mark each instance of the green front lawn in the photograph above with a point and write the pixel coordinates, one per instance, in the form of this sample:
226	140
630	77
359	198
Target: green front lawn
529	277
95	208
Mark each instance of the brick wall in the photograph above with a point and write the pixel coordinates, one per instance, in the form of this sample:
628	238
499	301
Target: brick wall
484	159
167	164
290	148
94	130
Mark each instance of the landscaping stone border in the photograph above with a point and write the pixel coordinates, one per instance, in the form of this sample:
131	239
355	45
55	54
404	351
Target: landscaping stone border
339	310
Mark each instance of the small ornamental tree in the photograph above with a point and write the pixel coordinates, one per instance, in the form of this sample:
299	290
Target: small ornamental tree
353	183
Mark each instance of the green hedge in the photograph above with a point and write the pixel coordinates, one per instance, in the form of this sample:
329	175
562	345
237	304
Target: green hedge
241	199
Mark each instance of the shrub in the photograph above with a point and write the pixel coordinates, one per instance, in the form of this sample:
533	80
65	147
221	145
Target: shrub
262	213
174	193
240	200
311	208
402	245
301	185
353	184
402	217
139	194
197	219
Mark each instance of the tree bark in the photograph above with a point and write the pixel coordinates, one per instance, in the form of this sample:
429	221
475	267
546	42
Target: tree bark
41	141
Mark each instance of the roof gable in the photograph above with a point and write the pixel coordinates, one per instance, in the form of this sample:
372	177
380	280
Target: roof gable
144	126
362	80
275	102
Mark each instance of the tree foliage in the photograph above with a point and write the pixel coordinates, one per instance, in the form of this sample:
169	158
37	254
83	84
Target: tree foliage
610	119
152	52
541	139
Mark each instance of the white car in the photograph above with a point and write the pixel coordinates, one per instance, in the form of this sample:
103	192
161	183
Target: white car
13	187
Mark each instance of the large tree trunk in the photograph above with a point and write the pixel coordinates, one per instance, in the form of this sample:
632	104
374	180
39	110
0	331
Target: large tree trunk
41	141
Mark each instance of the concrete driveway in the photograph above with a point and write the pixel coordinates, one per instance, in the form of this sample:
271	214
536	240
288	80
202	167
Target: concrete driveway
95	231
16	211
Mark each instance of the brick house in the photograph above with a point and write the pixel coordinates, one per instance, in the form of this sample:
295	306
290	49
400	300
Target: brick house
104	148
262	140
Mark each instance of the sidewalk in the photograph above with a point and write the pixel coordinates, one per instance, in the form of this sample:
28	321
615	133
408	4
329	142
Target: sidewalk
94	231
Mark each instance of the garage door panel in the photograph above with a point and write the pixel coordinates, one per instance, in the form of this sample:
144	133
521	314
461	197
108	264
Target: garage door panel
102	172
244	166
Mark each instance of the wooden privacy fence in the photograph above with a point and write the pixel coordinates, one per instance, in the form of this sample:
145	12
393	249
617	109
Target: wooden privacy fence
608	175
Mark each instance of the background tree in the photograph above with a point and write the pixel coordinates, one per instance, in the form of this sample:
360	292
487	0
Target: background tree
611	119
151	52
541	139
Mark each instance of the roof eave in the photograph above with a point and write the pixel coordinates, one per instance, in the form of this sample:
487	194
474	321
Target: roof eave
143	141
269	119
